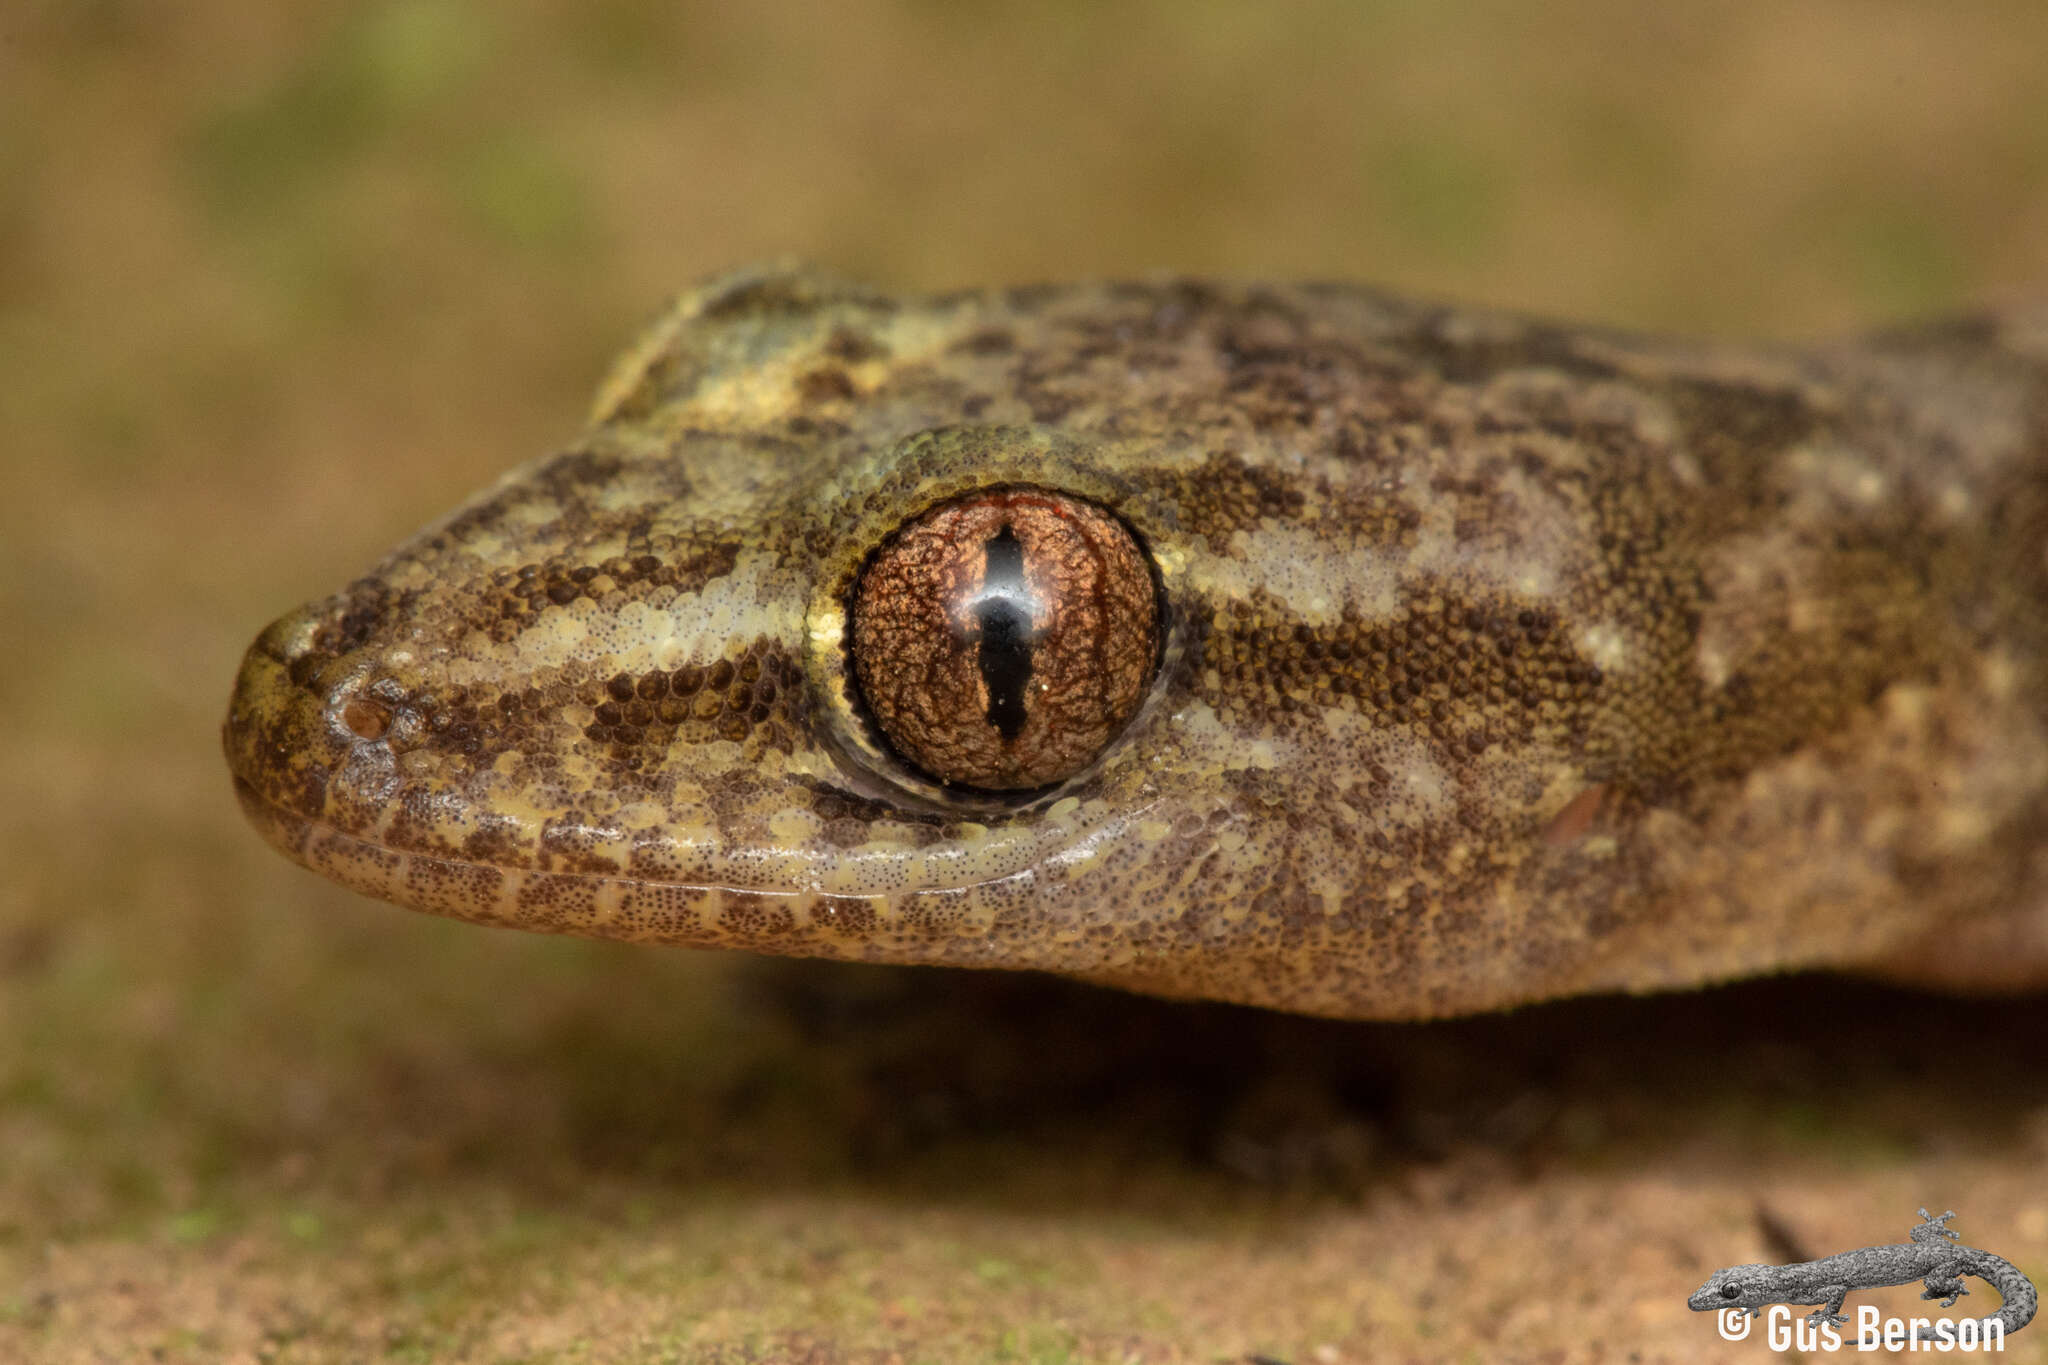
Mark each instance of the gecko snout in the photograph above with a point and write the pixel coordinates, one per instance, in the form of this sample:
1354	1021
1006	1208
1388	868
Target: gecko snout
305	705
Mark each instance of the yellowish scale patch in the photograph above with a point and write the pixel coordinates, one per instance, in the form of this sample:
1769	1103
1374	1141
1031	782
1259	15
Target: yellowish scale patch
1607	645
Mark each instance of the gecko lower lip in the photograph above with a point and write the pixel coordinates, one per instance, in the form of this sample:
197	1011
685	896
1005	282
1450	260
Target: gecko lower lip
593	905
581	903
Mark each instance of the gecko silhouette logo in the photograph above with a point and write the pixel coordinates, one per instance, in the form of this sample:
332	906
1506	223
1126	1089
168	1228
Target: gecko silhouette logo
1933	1252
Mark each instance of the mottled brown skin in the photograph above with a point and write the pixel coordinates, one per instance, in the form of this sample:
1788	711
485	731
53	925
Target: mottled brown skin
1502	661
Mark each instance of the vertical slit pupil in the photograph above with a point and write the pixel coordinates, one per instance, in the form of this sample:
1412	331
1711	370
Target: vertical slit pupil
1003	612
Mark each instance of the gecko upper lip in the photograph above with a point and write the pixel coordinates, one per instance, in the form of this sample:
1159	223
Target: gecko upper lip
343	754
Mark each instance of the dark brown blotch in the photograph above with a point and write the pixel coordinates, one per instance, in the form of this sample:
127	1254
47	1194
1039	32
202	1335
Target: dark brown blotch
1468	674
986	341
852	347
826	384
749	915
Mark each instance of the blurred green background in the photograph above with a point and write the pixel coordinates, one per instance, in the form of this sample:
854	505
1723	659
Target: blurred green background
279	283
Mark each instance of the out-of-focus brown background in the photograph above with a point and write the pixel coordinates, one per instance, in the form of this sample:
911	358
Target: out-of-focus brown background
279	283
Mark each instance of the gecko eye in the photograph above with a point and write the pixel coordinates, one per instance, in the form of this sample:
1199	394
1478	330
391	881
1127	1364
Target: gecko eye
1001	640
1731	1291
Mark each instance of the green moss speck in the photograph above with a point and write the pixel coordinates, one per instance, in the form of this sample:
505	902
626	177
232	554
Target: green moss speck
518	191
1904	261
370	75
196	1225
1443	197
1037	1344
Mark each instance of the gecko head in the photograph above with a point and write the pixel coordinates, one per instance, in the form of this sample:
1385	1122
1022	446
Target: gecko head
627	693
1739	1286
794	651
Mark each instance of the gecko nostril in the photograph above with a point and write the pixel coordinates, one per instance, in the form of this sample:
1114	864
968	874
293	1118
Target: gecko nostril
366	718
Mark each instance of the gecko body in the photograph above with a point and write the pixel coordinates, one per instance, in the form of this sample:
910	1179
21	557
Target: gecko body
1302	646
1932	1253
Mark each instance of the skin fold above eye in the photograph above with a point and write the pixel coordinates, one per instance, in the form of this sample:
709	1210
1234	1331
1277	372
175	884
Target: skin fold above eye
1303	646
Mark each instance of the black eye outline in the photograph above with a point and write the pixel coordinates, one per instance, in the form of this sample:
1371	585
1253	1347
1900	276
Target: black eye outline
1731	1291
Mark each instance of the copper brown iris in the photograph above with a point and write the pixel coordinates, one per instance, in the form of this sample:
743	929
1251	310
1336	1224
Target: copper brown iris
1003	639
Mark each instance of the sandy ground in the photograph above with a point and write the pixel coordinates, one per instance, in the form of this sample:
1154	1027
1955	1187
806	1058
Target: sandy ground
279	283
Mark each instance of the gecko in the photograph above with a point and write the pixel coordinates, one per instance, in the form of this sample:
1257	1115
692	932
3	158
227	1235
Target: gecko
1302	646
1932	1253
